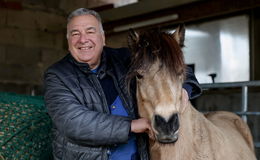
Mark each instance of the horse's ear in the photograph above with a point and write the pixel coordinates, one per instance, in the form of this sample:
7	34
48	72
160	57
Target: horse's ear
179	35
132	39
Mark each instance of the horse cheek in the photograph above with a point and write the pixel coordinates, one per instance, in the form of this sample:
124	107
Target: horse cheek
145	110
143	104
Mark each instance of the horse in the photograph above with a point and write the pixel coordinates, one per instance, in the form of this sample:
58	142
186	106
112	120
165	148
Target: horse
180	131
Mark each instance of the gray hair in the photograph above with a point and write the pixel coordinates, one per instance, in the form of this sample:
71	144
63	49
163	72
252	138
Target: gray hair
85	11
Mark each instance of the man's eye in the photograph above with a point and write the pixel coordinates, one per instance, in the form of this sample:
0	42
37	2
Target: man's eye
74	34
90	32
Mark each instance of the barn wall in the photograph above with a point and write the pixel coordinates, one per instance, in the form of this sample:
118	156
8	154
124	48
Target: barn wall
31	39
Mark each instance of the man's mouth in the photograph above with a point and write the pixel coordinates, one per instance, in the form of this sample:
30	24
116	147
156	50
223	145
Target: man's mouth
85	48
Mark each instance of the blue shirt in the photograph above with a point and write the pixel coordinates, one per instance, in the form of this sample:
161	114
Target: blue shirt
123	151
127	151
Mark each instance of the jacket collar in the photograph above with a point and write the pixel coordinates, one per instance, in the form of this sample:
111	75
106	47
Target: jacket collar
83	66
102	68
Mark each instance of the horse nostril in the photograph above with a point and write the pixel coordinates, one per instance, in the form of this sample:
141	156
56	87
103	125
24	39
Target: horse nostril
174	122
159	121
166	127
160	124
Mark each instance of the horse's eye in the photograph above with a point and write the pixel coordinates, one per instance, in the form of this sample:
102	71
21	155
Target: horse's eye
139	76
143	44
146	43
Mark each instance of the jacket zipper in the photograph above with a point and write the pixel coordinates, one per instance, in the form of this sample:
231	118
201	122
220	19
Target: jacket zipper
101	93
104	101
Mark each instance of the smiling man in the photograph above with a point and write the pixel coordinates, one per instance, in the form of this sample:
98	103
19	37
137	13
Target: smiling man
94	117
86	39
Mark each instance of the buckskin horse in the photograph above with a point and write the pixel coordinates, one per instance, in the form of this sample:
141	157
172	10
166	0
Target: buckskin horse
181	132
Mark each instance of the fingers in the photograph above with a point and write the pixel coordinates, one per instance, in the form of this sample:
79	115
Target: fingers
140	125
185	95
185	100
151	134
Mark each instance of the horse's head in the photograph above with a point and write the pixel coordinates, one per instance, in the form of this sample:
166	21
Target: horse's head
158	65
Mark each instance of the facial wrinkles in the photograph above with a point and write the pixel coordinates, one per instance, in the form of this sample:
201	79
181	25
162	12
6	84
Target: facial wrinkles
83	35
85	26
83	22
85	39
86	42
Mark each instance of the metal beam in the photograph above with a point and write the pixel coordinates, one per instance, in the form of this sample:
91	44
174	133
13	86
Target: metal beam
140	8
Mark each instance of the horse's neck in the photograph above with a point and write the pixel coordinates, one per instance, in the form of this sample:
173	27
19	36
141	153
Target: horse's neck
191	128
195	124
194	134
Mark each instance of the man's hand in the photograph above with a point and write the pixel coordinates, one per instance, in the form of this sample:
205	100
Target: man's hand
142	125
185	100
185	96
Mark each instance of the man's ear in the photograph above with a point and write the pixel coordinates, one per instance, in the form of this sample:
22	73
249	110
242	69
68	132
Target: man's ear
132	39
179	35
104	39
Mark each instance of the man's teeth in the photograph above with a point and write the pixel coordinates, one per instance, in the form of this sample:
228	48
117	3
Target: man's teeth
85	48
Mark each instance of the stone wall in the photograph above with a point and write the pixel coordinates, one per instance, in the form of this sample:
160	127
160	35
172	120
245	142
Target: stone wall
30	40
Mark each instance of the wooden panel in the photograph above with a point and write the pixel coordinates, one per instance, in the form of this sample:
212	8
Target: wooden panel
255	36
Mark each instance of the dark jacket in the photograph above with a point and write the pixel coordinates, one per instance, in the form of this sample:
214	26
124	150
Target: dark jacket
82	125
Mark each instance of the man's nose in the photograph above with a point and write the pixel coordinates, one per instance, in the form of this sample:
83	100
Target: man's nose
83	38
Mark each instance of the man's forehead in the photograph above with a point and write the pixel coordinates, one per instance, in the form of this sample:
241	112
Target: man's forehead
84	27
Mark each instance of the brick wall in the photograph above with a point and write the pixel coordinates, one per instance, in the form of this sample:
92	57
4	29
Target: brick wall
30	41
32	37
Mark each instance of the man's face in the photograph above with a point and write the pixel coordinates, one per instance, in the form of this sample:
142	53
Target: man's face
85	39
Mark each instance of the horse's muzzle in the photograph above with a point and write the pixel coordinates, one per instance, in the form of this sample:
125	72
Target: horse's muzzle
167	130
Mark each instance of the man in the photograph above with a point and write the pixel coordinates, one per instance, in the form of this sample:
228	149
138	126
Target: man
94	117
